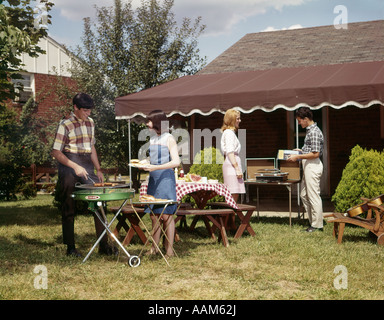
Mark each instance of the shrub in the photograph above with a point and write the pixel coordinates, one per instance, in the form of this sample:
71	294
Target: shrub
207	163
363	176
28	190
10	177
12	154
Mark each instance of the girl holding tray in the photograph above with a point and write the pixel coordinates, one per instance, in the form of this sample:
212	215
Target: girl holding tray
164	157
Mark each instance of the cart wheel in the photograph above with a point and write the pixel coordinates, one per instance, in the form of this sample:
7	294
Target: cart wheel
134	261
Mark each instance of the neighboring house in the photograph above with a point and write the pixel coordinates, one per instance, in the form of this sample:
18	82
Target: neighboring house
322	67
40	72
40	78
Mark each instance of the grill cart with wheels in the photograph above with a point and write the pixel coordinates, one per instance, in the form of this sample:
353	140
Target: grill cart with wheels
97	198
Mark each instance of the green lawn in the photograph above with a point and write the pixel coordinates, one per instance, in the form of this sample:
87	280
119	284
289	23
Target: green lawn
280	262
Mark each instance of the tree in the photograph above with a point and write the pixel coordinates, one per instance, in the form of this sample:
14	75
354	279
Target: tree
161	50
11	154
126	51
18	34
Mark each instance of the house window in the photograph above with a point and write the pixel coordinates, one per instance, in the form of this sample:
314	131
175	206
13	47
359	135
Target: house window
28	91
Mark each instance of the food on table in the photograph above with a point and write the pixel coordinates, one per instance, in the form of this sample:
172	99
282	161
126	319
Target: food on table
191	177
150	198
146	197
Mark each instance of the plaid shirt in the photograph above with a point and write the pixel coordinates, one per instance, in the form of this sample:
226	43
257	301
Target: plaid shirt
314	140
75	135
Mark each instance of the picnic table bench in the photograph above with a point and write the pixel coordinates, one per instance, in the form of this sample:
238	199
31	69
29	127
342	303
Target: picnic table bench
128	213
218	218
244	219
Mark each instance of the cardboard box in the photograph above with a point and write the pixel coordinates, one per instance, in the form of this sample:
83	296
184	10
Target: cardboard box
293	169
253	165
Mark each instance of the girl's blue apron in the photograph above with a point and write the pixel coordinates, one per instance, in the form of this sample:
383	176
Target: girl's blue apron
162	183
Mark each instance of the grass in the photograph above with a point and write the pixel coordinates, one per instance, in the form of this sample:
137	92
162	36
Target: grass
281	262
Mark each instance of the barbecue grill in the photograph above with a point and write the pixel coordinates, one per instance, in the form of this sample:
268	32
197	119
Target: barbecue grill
105	193
271	175
97	198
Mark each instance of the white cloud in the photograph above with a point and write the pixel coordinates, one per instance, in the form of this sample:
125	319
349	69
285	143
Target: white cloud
76	10
295	26
220	16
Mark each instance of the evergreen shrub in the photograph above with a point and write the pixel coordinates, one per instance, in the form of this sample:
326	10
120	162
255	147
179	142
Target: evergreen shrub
363	176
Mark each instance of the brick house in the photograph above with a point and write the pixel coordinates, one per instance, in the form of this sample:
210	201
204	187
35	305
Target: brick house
41	76
40	73
340	72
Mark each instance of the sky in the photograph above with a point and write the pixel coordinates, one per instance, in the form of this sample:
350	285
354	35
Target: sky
227	21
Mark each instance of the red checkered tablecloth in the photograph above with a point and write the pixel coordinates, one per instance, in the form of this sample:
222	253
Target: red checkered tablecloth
185	188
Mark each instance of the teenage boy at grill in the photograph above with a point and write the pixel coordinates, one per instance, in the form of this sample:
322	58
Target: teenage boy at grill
74	149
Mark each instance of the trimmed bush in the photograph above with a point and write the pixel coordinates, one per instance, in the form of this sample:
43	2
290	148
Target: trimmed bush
363	176
207	163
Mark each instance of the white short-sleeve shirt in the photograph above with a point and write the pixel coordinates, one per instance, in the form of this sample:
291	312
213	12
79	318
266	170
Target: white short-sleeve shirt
230	142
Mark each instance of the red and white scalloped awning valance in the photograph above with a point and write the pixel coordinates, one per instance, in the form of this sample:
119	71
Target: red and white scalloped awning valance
340	85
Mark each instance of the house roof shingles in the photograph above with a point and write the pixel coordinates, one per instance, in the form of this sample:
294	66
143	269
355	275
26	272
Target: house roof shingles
360	42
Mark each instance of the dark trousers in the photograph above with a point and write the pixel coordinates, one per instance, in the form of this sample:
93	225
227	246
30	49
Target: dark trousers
65	188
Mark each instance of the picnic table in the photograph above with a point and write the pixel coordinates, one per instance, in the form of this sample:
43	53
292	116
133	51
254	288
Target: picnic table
200	192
